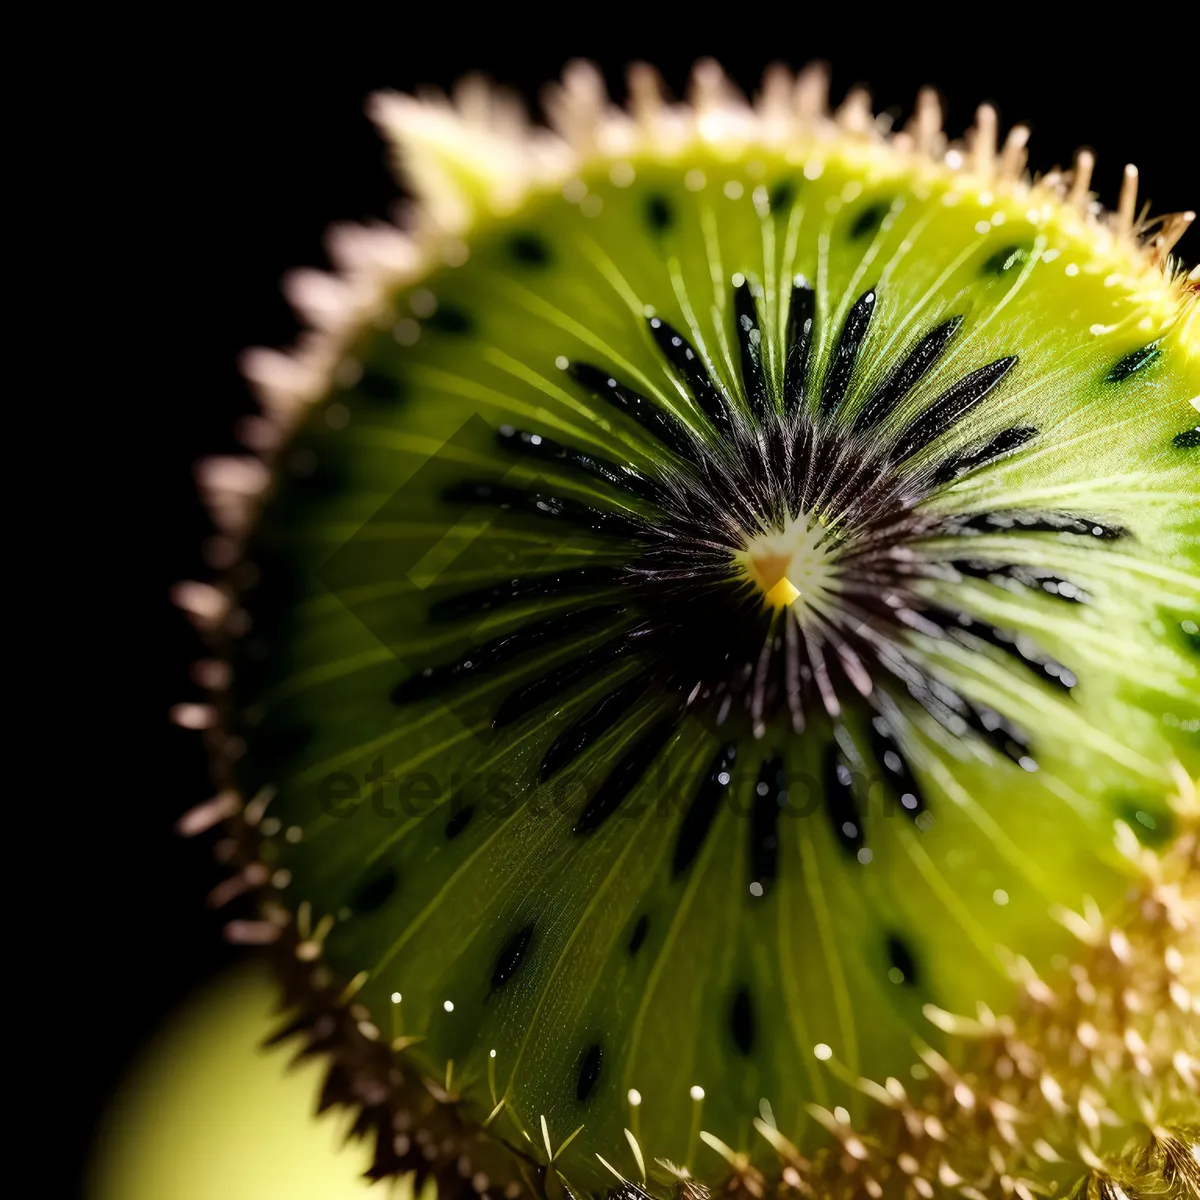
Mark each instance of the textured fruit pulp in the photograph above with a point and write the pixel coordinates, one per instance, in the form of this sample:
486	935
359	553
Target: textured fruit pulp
342	623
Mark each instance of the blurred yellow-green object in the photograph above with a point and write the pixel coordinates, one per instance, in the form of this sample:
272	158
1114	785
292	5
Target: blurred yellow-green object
206	1114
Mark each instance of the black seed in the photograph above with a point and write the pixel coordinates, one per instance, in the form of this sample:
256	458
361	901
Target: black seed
658	423
510	958
543	449
660	216
955	713
962	628
525	587
845	354
529	696
749	337
375	385
900	957
1152	825
1005	259
1139	360
991	727
459	821
680	353
869	220
538	504
741	1020
894	769
375	893
1189	630
1000	734
770	795
914	368
702	811
432	680
840	805
1189	439
529	249
448	319
950	407
589	1072
638	936
593	725
1022	521
801	315
1035	578
782	196
624	777
1004	443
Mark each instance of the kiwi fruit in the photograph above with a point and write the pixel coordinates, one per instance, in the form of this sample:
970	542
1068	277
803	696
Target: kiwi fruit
706	682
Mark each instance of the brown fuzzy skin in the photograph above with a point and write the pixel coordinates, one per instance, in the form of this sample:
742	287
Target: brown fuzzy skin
416	1126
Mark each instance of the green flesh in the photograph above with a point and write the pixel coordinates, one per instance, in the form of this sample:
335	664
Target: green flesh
338	622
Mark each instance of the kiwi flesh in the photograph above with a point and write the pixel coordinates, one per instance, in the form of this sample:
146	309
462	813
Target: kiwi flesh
705	599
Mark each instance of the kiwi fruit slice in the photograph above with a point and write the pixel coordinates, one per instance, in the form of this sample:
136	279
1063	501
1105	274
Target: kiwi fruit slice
707	656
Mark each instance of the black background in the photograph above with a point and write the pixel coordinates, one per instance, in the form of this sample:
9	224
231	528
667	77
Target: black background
249	147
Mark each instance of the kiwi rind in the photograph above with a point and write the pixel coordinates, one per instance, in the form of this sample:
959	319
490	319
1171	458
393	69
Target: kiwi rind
1138	261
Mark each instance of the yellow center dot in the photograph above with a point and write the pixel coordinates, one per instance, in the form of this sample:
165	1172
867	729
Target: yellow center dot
790	566
783	593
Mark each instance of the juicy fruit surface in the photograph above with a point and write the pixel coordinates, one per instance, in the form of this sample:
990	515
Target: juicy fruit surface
695	918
